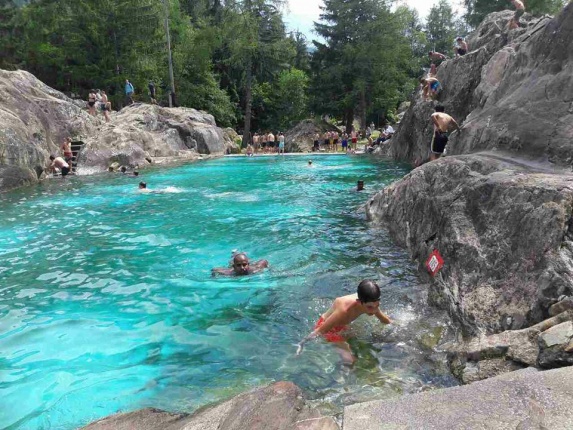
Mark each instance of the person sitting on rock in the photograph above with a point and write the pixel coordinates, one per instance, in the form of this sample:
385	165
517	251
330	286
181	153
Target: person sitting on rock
58	163
442	124
241	266
461	47
519	11
333	324
430	88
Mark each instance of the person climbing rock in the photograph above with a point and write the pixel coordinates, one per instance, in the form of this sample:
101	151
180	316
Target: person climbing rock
442	124
333	323
129	90
519	11
58	163
430	88
67	150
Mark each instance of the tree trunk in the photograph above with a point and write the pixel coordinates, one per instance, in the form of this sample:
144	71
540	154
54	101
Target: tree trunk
349	118
248	102
362	110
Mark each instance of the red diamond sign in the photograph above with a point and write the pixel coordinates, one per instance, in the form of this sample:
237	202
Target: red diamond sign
434	262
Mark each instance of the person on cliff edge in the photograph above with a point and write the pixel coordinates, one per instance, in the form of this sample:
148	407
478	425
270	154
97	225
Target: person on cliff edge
443	123
333	323
519	11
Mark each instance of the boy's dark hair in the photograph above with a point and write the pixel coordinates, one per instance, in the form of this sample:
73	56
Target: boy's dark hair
440	108
368	291
430	53
52	157
142	185
135	173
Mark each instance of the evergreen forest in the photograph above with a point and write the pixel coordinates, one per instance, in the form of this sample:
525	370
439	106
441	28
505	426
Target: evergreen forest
235	58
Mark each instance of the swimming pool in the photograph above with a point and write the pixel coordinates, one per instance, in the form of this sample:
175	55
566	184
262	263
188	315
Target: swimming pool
107	302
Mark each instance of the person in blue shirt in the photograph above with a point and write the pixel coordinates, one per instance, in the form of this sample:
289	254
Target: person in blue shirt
129	91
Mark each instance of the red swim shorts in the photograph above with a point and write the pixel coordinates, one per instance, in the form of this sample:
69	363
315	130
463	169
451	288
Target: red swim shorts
354	140
334	334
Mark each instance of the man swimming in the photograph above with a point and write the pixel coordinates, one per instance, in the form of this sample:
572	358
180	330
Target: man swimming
333	323
241	266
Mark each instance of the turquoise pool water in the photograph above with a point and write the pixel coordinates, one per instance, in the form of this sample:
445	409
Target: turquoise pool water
107	302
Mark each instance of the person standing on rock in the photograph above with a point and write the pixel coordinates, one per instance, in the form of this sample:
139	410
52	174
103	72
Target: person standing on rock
443	123
92	102
151	88
105	106
316	143
519	11
67	150
333	324
461	48
281	144
129	90
354	139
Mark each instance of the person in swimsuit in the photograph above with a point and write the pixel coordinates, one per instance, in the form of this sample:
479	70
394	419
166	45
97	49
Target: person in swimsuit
461	47
241	266
67	150
332	324
58	163
344	142
442	124
105	106
430	88
92	102
354	139
519	11
281	144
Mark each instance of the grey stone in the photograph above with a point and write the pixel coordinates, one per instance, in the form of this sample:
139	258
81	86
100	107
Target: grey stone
518	400
558	335
35	118
502	227
561	306
279	406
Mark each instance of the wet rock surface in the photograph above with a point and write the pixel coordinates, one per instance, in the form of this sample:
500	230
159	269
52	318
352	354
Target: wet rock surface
279	406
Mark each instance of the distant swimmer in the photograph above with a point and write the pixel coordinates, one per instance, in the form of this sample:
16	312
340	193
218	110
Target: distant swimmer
58	163
442	124
333	323
310	163
241	266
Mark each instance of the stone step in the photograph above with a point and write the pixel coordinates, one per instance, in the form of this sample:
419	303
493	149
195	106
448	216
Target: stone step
525	399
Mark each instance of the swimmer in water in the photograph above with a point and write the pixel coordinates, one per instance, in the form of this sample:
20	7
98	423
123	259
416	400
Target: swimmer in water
333	323
310	163
241	266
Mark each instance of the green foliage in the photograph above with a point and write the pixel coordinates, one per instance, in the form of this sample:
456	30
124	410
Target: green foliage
441	28
478	9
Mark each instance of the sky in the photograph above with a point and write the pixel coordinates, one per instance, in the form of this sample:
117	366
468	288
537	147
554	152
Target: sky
300	14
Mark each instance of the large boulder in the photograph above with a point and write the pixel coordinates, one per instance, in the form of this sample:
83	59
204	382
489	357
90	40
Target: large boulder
34	119
279	406
510	92
142	131
504	230
300	138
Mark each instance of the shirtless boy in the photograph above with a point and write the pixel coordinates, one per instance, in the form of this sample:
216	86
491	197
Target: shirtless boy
442	124
241	267
67	150
332	324
430	88
60	163
519	11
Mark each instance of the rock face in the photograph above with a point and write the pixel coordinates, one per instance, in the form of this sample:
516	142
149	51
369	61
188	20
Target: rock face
279	406
34	119
141	131
300	138
512	92
503	230
501	221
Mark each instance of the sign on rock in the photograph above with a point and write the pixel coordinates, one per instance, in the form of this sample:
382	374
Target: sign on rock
434	262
